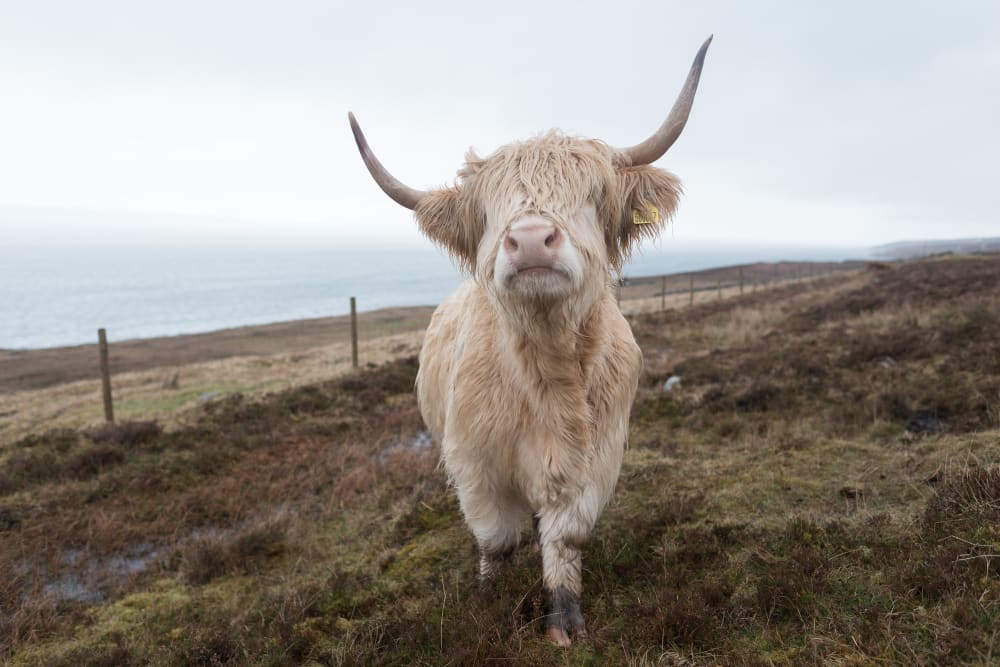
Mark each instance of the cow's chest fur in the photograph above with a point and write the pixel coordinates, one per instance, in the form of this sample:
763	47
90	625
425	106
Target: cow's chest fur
524	411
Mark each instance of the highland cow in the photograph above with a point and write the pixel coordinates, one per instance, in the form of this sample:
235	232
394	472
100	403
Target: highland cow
528	372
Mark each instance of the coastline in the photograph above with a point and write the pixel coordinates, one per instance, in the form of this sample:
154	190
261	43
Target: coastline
32	369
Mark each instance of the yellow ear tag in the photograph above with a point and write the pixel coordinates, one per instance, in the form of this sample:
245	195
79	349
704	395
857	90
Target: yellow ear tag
647	217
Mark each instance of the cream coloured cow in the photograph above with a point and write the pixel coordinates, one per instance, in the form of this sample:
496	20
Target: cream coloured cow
528	371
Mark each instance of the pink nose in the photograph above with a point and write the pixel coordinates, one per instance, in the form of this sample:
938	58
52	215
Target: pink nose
534	245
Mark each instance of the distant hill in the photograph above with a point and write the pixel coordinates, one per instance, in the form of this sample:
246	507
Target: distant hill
907	249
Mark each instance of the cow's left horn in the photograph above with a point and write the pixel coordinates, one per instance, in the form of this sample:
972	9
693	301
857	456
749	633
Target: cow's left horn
652	149
399	193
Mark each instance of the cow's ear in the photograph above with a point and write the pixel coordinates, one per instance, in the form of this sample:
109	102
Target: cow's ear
449	219
647	197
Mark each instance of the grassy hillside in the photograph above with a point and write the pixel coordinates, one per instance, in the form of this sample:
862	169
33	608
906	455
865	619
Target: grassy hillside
22	370
820	487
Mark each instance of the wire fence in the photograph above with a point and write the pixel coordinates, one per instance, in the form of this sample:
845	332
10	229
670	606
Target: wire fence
651	293
157	378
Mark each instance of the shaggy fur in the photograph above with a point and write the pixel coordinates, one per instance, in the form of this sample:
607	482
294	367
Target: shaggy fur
553	175
528	394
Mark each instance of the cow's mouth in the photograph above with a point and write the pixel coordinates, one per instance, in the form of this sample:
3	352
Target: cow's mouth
540	282
541	274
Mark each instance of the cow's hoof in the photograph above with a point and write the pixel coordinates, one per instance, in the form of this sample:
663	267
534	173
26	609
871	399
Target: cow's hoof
558	636
564	619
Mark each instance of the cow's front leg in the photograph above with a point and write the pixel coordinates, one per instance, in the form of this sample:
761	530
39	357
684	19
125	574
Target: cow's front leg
562	535
494	559
497	521
563	618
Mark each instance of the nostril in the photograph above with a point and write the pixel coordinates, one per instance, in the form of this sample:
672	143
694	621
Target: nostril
551	239
511	243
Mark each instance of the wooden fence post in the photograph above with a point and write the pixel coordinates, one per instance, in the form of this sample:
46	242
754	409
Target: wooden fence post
691	291
663	292
102	344
354	333
741	280
719	287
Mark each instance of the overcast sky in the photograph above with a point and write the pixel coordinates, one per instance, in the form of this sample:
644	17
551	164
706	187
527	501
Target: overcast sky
834	122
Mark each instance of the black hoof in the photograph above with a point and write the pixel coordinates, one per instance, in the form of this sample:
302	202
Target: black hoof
563	619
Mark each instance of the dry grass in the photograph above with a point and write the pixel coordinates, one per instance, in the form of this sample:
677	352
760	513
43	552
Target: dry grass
167	390
796	500
163	378
166	393
37	369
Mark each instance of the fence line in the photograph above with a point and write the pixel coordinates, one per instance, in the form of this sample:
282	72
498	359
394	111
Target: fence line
354	333
627	289
102	345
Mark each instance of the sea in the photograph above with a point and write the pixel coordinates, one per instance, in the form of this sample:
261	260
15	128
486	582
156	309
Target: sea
56	295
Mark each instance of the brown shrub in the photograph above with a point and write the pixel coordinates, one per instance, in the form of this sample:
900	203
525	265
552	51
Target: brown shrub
694	613
10	517
26	468
959	543
373	386
964	502
92	461
210	644
217	553
761	395
126	433
788	584
59	440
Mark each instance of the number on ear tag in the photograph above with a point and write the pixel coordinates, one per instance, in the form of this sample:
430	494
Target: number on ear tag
647	217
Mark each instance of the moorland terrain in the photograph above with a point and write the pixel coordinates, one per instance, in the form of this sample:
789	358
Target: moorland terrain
821	486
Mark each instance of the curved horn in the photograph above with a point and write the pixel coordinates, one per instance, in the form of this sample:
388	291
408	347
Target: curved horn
399	193
652	149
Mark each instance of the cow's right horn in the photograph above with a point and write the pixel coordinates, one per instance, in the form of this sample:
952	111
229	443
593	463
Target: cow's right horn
399	193
653	148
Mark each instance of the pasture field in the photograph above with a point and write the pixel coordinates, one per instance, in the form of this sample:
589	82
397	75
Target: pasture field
821	487
160	378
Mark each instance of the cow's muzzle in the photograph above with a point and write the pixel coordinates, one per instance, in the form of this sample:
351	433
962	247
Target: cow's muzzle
533	247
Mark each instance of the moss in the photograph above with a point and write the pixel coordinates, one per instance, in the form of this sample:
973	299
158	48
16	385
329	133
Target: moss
111	631
140	407
658	409
421	558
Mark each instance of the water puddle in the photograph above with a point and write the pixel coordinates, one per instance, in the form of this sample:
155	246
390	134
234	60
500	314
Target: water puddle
421	442
88	578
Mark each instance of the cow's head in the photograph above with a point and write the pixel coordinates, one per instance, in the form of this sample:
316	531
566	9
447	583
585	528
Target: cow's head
545	219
